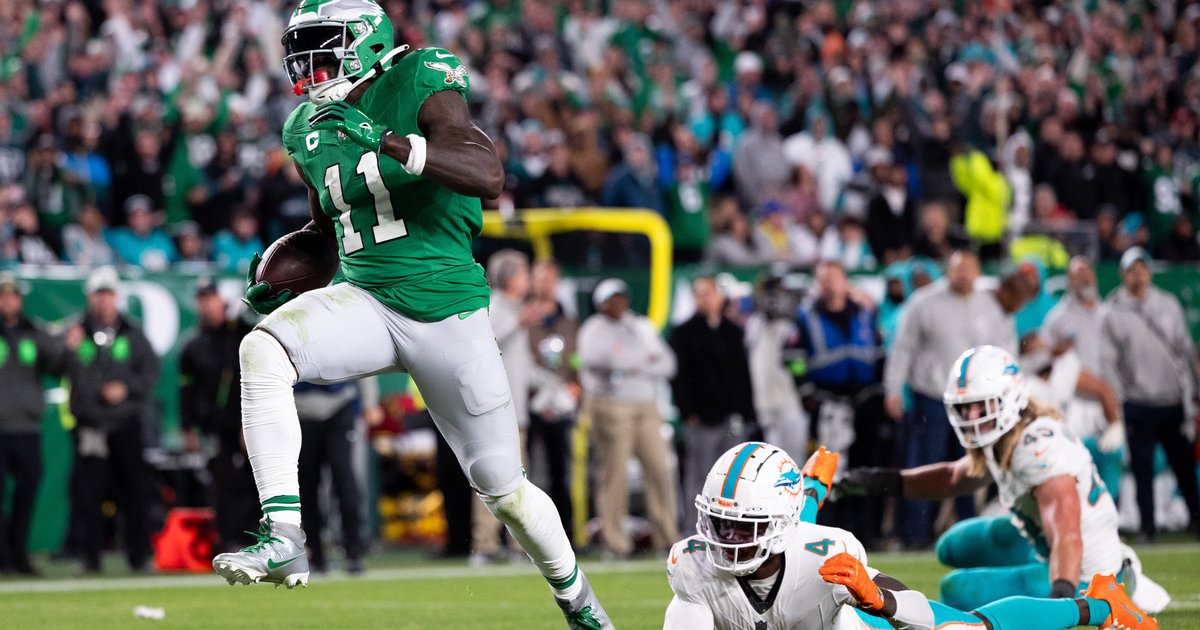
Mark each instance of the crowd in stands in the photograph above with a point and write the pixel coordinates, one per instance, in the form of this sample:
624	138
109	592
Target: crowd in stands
147	133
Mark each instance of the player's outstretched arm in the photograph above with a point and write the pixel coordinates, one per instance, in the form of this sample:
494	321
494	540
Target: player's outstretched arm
458	155
1058	505
943	480
685	615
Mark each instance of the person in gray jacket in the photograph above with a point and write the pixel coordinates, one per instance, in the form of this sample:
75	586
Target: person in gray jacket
1149	351
624	362
940	321
27	354
112	369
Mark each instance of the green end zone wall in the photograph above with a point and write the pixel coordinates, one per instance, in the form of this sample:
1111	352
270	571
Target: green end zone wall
164	305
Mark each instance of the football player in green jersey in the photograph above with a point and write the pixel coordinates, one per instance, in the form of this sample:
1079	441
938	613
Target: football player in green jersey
395	169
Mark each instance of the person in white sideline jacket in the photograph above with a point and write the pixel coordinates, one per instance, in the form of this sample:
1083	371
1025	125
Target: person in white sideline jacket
623	363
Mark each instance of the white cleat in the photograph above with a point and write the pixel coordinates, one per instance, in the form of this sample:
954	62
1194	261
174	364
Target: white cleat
277	558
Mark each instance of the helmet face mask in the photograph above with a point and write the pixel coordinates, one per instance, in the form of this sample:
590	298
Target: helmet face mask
750	502
985	395
739	544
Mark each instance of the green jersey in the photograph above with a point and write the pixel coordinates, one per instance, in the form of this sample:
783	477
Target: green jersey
403	238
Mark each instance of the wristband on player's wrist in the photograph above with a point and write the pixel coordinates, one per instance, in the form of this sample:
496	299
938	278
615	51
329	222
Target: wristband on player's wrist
415	163
1063	589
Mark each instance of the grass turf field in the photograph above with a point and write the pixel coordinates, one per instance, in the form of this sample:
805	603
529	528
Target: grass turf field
400	591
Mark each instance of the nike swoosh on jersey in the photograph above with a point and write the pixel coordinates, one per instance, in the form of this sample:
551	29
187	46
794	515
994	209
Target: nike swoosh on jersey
441	56
271	564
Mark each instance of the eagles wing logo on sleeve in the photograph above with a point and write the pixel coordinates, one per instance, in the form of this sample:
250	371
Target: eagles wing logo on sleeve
453	75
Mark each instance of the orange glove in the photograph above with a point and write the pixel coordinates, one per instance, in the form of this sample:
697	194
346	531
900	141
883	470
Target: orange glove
821	466
846	570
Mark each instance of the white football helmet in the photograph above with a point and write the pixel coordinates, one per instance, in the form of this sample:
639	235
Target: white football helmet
750	501
988	375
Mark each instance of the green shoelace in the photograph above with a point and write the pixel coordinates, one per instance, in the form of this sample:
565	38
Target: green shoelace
263	536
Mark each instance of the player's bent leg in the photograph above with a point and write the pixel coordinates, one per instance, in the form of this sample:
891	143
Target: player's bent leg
272	433
969	589
456	365
327	335
984	541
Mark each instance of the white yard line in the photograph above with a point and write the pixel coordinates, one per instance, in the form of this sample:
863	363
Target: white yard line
376	575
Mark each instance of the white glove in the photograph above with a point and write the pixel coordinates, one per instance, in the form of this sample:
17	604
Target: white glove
1113	438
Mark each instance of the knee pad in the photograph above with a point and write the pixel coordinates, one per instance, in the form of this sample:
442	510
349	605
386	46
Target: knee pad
264	360
507	508
495	475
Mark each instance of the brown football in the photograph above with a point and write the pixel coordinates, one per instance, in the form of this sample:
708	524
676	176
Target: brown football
301	261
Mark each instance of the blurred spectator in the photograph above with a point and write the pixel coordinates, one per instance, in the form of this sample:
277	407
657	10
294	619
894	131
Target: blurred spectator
937	237
1163	202
814	240
689	187
776	403
1039	301
1046	208
558	187
623	362
112	370
56	192
892	218
760	169
1149	352
1074	180
89	169
734	244
939	323
31	241
851	248
834	357
223	188
988	195
711	388
774	232
819	151
27	354
634	182
1074	325
139	162
141	244
189	242
1114	184
234	247
554	406
84	242
1018	158
1180	245
328	415
210	410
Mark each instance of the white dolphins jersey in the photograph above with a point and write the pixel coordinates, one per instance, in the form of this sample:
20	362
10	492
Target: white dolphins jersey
1047	449
799	599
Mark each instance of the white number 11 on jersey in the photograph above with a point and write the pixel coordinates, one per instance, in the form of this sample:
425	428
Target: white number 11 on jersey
387	226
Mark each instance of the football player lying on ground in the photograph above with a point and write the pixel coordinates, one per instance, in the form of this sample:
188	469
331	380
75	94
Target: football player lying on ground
395	169
760	562
1062	523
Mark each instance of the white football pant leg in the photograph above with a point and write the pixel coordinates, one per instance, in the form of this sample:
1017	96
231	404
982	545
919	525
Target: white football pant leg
456	365
327	335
